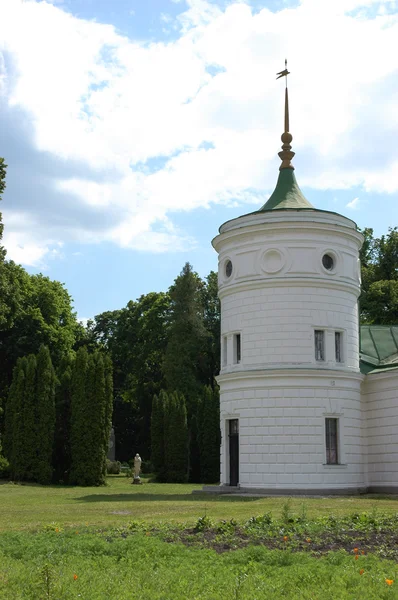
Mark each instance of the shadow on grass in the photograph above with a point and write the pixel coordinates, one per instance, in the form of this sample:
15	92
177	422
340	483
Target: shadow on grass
162	497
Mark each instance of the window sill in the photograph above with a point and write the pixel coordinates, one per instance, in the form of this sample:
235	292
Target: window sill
339	466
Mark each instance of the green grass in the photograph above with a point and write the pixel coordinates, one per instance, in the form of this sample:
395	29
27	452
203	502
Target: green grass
31	506
125	542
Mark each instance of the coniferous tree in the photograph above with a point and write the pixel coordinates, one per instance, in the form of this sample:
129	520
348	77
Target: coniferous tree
157	434
45	423
10	414
176	439
80	419
97	434
27	458
210	436
108	374
63	399
16	399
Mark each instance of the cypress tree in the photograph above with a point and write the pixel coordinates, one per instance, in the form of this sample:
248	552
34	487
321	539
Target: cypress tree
27	459
80	419
96	397
210	436
10	410
157	434
45	424
16	425
108	373
63	397
176	436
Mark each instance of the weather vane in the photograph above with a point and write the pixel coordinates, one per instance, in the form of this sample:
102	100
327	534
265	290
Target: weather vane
284	73
286	154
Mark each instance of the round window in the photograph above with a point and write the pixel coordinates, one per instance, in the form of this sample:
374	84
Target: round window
328	262
228	268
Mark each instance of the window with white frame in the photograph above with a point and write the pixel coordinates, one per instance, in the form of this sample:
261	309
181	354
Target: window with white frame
338	345
332	441
319	340
237	348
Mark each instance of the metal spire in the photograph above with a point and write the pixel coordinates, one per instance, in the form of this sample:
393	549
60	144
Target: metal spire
286	153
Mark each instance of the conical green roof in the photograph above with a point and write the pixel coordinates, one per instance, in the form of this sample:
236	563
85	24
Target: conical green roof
287	193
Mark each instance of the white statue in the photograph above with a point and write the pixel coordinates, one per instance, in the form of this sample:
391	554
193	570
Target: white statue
137	468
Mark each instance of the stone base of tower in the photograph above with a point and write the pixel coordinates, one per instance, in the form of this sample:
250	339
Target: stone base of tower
280	417
309	492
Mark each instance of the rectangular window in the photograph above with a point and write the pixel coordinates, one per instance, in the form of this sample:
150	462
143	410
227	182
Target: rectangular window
338	336
224	351
332	455
319	344
237	348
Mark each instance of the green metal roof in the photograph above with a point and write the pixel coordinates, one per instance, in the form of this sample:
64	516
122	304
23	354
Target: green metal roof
379	348
287	193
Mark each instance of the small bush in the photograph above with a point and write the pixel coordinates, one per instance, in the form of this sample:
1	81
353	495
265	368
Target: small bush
113	467
4	468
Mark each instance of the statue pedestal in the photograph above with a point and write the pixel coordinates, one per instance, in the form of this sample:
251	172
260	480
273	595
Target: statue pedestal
136	481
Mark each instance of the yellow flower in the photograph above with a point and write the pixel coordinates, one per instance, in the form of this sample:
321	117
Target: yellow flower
362	571
75	576
285	538
389	581
356	557
355	550
308	540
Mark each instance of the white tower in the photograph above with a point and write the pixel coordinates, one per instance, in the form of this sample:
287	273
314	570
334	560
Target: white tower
289	281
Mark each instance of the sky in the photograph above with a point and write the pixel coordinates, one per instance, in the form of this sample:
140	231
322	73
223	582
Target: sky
133	129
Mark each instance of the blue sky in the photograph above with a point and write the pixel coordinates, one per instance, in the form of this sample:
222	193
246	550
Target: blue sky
133	129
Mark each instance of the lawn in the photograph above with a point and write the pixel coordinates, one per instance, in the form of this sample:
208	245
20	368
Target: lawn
160	542
28	507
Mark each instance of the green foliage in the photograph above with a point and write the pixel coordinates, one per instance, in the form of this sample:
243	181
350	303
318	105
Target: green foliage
91	416
113	467
379	260
63	400
210	436
184	353
158	434
176	439
45	416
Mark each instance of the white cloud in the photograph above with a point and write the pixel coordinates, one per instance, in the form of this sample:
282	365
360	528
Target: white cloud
113	104
354	204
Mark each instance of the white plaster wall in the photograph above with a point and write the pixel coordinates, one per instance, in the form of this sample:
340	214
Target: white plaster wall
279	291
282	429
380	402
277	326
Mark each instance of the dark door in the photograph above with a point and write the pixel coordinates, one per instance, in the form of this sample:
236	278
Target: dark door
233	452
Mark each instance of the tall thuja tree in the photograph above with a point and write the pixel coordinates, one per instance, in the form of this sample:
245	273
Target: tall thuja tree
159	405
212	324
108	400
176	439
45	420
210	436
29	415
14	434
185	353
63	400
91	418
80	418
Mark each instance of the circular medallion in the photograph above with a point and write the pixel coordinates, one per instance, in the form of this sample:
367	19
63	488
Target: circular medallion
273	261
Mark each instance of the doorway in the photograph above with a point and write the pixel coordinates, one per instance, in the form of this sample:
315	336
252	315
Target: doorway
234	452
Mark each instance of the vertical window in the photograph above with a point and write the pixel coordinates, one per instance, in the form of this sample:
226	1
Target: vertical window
319	344
237	348
224	351
337	344
332	455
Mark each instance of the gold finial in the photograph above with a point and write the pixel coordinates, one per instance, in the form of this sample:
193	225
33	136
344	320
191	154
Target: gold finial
286	154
